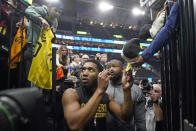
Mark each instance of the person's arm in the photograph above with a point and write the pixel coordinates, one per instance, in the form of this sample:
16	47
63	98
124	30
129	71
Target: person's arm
158	112
26	23
77	118
124	113
139	109
164	34
54	25
160	39
57	61
37	13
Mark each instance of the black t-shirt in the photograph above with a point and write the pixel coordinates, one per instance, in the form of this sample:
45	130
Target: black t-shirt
98	123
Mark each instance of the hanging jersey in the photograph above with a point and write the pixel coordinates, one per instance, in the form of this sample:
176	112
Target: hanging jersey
3	30
15	56
40	72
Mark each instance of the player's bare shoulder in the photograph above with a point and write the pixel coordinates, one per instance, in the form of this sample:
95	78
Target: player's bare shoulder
70	93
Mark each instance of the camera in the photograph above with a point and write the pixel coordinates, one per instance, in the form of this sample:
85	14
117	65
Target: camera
146	86
22	110
65	83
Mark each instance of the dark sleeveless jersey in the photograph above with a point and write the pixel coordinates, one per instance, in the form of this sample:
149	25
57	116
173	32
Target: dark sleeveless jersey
98	123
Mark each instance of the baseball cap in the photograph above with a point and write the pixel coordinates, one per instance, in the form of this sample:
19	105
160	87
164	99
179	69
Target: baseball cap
131	49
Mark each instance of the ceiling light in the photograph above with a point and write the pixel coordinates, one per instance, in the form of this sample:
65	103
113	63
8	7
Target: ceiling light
137	11
103	6
91	22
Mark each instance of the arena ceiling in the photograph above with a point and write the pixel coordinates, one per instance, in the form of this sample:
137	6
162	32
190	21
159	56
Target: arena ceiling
75	10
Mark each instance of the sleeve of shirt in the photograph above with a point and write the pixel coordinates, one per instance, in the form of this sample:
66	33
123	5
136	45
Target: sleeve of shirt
57	59
139	109
35	12
55	24
164	34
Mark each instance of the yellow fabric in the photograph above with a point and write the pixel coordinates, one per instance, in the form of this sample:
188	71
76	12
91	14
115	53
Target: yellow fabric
1	28
4	30
15	56
40	73
129	67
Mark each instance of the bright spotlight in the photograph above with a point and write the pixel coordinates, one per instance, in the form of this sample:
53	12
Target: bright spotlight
130	27
91	22
137	11
103	6
101	23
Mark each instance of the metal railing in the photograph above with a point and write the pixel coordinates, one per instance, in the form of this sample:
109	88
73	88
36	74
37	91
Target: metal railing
178	73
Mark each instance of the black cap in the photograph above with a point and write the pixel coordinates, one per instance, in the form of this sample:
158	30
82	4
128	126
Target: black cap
131	48
144	32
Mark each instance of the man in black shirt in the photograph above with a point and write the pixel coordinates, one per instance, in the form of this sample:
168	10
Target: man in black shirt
85	108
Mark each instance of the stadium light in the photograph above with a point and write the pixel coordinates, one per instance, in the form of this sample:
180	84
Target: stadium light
149	40
81	32
137	11
103	6
143	12
118	36
91	22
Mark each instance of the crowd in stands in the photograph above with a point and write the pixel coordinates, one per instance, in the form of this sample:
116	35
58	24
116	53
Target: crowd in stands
89	44
97	30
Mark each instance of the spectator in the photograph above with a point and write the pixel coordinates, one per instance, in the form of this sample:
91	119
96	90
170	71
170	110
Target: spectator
97	56
116	91
103	60
41	15
85	57
154	113
76	61
62	58
86	107
77	69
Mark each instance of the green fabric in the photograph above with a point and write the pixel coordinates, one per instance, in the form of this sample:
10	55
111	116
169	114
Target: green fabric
34	29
